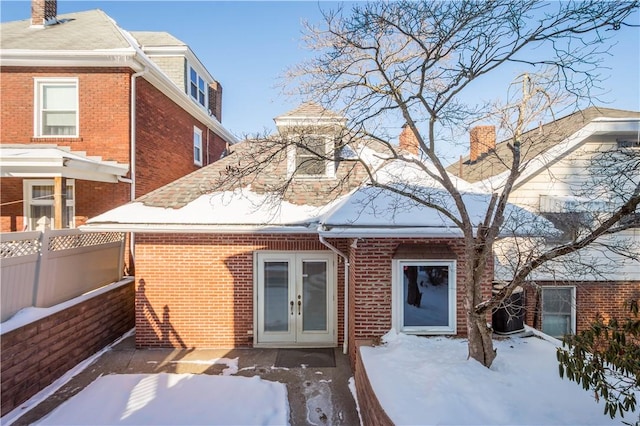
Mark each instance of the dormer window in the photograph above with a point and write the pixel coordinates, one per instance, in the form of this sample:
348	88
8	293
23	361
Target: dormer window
197	87
312	157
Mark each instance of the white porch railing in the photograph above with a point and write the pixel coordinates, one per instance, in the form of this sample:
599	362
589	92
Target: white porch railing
43	269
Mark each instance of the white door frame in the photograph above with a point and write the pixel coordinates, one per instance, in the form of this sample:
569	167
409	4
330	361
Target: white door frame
295	336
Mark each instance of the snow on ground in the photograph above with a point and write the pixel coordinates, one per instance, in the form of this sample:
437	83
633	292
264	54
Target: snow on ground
174	399
422	381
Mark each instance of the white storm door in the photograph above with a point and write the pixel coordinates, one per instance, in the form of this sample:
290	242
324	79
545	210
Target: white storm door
295	298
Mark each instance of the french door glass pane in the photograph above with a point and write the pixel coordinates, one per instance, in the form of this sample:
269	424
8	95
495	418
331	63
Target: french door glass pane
314	294
426	295
276	295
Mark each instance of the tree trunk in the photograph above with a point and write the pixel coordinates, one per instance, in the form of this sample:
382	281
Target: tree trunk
480	342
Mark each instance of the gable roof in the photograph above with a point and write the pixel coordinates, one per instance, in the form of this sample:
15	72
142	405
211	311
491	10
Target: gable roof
534	142
309	110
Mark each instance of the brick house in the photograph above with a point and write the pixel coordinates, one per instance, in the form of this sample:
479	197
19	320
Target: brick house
559	155
223	263
94	116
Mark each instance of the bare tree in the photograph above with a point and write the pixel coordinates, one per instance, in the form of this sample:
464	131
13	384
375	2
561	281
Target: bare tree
413	61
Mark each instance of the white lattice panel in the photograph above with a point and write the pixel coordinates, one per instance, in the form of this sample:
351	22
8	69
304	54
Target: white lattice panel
66	242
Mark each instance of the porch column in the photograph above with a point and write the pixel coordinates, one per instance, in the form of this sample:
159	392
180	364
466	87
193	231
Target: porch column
59	202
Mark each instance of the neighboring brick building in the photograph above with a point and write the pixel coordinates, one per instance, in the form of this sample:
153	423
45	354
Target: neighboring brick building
94	116
221	263
557	182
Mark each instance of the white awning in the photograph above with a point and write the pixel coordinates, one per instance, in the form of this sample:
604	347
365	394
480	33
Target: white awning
46	161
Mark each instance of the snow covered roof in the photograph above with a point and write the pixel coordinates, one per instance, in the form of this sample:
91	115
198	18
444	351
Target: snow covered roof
213	199
241	210
550	139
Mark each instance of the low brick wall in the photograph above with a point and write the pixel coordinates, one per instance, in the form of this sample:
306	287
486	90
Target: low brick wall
35	355
371	411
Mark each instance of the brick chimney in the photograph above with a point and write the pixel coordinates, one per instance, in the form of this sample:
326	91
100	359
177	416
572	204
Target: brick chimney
482	139
43	12
215	100
408	140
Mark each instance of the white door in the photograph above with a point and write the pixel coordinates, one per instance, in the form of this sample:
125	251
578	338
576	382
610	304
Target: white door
295	303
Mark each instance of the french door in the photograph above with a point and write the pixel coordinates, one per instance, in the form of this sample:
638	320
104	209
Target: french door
295	299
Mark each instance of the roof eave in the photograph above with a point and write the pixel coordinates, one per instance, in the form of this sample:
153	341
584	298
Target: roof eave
125	57
164	228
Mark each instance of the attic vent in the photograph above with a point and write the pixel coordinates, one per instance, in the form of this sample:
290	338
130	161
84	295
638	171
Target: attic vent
623	143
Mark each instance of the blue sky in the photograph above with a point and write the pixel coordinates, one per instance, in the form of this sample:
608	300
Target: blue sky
248	45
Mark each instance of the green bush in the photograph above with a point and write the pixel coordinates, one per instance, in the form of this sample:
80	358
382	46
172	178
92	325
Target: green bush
605	359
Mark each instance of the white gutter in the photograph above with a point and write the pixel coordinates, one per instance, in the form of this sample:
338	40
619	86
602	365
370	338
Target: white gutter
345	321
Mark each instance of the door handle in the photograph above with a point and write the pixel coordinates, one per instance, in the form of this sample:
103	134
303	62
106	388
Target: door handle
299	305
291	307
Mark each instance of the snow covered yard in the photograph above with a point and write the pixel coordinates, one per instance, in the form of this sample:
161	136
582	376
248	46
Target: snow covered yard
175	399
424	381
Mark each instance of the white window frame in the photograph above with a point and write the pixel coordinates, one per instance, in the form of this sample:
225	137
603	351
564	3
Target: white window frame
197	146
39	84
200	91
397	279
27	186
292	159
573	307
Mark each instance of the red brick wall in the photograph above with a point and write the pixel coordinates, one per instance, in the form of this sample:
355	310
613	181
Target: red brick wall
164	134
371	410
11	204
35	355
196	290
103	106
371	284
592	298
164	140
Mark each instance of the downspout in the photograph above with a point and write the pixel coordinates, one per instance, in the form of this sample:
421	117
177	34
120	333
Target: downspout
132	121
345	321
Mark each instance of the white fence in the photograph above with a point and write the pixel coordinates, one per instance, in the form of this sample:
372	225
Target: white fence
43	269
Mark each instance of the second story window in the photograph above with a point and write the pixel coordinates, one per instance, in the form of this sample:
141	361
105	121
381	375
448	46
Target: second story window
197	146
56	112
197	87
